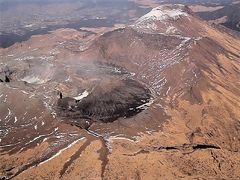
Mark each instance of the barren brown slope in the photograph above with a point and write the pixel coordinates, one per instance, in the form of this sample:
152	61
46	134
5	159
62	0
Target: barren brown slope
193	69
189	129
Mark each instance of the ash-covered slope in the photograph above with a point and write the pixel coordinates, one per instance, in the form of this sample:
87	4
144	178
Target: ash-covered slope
182	73
172	50
193	70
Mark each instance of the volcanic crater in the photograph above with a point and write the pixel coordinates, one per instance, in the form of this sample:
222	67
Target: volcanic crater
115	95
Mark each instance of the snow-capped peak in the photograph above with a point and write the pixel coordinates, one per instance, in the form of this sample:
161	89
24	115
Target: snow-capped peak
149	23
163	13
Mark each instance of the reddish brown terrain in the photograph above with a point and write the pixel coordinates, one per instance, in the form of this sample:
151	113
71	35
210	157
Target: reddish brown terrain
157	99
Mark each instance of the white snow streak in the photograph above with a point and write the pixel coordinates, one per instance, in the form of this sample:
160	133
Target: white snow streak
62	150
9	113
159	13
15	119
82	95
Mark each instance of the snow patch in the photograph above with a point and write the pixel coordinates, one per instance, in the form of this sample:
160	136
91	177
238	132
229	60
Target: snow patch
15	119
160	13
9	114
54	114
68	79
82	95
168	90
146	105
171	30
163	14
29	25
24	92
112	138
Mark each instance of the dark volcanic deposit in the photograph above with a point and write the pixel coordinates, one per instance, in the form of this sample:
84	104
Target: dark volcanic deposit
125	99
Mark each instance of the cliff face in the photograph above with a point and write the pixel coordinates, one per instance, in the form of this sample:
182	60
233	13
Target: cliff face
158	99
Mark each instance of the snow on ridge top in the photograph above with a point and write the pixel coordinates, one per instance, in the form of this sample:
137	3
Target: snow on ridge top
163	13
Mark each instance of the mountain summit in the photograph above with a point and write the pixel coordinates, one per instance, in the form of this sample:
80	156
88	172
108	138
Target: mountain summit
165	15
